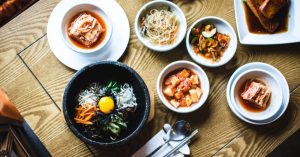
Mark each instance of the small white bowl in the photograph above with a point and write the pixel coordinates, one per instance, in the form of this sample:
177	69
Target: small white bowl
276	95
222	27
180	17
196	69
90	8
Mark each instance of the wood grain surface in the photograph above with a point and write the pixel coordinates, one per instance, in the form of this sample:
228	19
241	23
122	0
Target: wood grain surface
43	78
261	140
26	28
38	109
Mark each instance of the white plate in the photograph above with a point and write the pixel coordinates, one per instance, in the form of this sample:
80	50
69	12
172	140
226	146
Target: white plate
277	74
113	51
291	36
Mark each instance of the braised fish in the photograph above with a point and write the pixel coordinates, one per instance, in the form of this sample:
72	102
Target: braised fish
269	25
269	8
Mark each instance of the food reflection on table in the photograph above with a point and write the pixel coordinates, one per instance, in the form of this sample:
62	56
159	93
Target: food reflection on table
255	95
160	26
182	88
267	16
87	30
207	42
103	109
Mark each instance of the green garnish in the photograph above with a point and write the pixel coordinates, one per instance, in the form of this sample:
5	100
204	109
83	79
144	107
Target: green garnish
113	86
116	125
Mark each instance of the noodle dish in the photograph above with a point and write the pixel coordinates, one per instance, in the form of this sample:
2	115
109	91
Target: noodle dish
160	25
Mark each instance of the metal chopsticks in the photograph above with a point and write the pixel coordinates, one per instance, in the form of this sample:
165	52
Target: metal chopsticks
182	143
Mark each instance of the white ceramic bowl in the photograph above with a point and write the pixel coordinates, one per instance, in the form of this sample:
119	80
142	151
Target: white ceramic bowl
90	8
277	74
276	95
196	69
222	27
180	17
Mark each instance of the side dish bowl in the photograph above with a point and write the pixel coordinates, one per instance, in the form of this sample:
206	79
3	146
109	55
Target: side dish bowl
223	27
274	103
204	84
99	72
90	8
180	18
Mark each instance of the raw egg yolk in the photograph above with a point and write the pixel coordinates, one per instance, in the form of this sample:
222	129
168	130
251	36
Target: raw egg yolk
106	105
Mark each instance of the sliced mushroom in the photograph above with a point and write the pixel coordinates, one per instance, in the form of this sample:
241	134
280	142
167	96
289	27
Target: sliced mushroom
209	34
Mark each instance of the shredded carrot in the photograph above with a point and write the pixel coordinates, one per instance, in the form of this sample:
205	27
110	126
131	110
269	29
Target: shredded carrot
84	113
173	35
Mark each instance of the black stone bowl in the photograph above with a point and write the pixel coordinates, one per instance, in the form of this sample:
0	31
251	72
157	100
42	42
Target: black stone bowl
101	72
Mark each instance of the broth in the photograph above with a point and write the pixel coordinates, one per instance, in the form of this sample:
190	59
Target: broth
254	25
101	36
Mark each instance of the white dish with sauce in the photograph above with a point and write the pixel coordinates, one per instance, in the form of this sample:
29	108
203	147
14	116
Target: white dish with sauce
275	100
248	38
222	27
113	49
180	19
204	84
277	74
74	11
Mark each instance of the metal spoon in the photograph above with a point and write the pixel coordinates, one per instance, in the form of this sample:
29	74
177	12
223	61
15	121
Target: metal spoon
181	129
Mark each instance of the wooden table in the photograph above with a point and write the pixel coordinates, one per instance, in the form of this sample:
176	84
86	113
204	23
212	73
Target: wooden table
35	81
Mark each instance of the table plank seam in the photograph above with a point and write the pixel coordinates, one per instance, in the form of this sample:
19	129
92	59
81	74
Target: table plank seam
90	149
293	90
38	81
236	136
30	46
46	90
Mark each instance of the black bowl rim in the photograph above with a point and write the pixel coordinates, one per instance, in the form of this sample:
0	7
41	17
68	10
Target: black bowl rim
113	143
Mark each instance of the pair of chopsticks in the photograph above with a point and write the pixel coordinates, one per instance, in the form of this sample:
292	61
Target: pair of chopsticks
182	143
6	144
19	147
12	143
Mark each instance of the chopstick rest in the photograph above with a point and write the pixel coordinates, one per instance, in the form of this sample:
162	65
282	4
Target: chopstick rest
156	141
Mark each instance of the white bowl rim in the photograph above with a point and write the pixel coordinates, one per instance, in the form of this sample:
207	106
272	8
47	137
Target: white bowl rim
191	52
285	91
203	79
183	25
109	26
278	104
